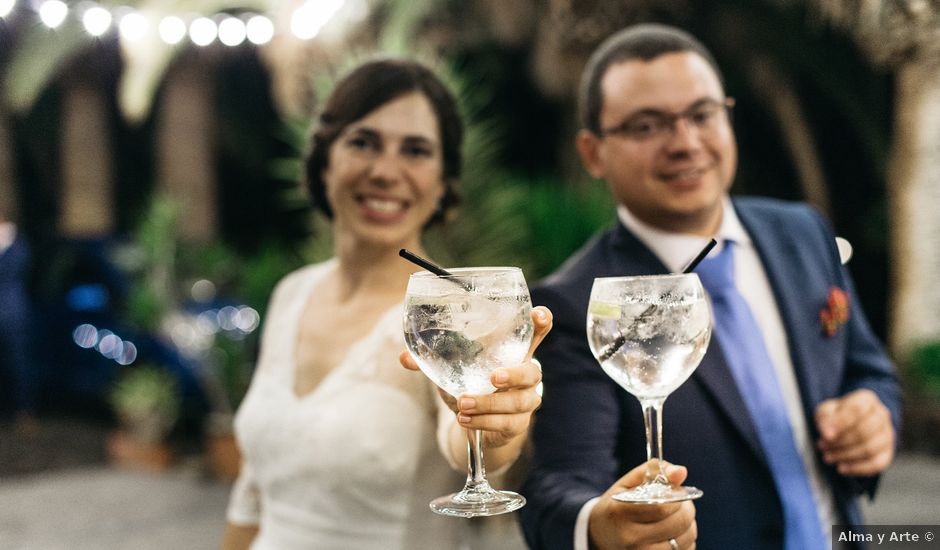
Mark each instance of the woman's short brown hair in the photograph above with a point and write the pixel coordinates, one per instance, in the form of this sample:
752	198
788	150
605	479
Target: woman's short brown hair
365	89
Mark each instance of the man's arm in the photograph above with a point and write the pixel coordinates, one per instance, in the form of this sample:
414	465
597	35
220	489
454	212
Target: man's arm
576	437
859	430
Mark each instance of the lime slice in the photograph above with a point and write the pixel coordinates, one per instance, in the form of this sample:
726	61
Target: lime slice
604	310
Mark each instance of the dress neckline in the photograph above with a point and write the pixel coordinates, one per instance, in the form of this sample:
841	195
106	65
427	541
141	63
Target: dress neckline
306	293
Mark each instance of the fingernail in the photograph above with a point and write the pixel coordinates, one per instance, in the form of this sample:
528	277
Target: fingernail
467	403
502	377
540	315
463	419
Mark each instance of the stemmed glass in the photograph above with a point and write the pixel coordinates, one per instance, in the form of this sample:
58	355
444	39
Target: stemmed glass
459	328
649	333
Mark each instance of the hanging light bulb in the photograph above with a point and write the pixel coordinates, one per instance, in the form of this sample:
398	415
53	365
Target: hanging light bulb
232	31
202	31
260	30
6	6
97	20
172	29
53	12
133	26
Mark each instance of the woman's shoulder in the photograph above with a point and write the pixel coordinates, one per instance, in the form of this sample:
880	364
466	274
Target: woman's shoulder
302	277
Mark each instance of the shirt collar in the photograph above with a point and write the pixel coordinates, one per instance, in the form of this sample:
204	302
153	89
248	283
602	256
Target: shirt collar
7	236
676	250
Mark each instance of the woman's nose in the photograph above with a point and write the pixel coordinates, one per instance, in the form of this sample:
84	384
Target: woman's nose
385	167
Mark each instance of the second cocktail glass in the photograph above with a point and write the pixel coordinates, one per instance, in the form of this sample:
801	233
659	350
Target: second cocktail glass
649	333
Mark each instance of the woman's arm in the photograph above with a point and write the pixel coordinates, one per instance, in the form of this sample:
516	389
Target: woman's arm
238	537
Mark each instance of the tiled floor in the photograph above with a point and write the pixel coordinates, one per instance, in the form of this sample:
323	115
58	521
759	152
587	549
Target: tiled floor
85	506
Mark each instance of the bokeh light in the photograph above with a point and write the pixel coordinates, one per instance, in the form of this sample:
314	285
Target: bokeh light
172	29
247	319
6	6
111	346
133	26
128	355
203	290
97	20
53	12
232	31
227	318
259	29
202	31
85	336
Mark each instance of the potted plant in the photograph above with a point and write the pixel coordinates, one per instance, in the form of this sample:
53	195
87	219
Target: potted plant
146	403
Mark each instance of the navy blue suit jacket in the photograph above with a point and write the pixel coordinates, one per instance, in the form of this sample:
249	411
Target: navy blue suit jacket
14	304
589	431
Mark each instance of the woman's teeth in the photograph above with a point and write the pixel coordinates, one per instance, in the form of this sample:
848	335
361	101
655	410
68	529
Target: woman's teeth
383	205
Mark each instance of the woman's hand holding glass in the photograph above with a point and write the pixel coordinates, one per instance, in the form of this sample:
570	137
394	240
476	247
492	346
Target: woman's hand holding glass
505	414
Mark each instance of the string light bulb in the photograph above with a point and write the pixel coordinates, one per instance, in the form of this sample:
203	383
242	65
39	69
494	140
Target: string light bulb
232	31
203	31
6	7
97	20
133	26
260	30
53	12
172	29
306	22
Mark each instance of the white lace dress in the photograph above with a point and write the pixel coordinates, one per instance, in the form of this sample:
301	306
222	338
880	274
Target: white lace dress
354	463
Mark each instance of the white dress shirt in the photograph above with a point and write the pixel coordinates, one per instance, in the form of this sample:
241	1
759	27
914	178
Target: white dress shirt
675	250
7	235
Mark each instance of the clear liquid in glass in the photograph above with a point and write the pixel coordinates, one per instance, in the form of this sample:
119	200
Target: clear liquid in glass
459	329
649	335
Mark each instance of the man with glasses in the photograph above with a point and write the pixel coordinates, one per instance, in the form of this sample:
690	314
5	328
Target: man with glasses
794	410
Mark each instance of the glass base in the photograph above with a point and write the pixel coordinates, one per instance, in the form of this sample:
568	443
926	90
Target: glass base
470	504
657	493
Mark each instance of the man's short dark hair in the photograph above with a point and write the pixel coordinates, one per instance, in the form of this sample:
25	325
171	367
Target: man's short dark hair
646	42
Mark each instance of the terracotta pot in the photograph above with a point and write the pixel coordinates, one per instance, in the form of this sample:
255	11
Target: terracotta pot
223	456
128	452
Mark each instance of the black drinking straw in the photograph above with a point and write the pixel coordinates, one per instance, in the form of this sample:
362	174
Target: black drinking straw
615	346
434	268
424	263
701	256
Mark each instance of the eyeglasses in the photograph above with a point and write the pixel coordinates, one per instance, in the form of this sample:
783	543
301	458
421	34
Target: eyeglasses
648	125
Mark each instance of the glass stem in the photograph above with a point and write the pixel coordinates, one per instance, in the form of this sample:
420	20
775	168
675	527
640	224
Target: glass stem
653	420
476	470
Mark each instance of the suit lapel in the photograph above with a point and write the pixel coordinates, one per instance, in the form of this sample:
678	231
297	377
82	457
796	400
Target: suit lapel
713	375
783	266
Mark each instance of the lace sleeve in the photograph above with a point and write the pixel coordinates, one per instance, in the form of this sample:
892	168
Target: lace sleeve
244	505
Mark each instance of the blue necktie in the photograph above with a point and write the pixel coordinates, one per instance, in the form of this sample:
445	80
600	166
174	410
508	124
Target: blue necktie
743	345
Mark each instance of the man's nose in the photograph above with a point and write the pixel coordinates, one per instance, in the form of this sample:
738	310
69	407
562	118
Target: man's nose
683	135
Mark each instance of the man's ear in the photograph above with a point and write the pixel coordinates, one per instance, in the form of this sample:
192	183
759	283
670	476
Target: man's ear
588	146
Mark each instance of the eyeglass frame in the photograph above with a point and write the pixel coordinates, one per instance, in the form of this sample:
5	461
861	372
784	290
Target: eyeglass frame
669	120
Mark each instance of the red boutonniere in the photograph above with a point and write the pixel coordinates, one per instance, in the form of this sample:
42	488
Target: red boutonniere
836	312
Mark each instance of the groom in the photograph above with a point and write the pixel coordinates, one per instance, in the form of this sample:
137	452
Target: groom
793	412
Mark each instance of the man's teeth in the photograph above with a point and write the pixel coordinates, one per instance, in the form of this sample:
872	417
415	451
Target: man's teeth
384	205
